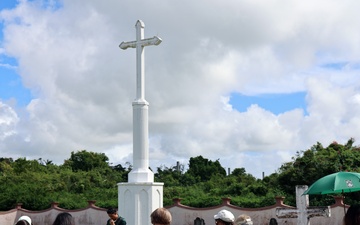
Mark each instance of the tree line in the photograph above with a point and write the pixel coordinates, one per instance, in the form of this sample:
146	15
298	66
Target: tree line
88	175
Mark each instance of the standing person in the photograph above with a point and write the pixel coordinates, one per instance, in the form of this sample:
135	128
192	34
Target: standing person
64	219
352	216
115	219
273	221
243	220
24	220
224	217
161	216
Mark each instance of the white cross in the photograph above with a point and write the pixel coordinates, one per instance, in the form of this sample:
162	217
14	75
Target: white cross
140	171
303	211
139	44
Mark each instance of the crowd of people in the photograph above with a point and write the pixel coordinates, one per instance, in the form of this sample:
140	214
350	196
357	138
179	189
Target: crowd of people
162	216
225	217
63	218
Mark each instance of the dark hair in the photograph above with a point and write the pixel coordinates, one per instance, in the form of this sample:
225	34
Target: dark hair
64	219
227	223
111	211
352	216
22	222
273	221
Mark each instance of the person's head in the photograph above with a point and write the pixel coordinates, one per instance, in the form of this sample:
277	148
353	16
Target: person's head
161	216
64	219
273	221
112	213
224	217
24	220
352	216
243	220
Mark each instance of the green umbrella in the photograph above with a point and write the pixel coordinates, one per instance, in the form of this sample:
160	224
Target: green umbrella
341	182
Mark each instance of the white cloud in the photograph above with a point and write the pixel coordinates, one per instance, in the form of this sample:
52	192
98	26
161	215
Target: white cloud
84	84
8	121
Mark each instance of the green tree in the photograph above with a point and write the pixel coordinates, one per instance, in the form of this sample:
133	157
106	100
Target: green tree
170	176
86	161
316	162
202	169
88	176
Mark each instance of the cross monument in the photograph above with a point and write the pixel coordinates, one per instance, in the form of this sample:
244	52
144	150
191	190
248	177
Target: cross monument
303	213
138	198
140	171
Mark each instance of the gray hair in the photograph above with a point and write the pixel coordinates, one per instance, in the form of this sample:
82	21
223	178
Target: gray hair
243	220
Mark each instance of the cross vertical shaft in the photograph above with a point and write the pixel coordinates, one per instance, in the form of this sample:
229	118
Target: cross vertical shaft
303	212
140	60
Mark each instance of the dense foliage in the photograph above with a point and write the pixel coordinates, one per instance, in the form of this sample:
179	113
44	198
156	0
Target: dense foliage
37	183
89	176
316	162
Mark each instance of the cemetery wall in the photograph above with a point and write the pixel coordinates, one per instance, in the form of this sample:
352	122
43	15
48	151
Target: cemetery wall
182	214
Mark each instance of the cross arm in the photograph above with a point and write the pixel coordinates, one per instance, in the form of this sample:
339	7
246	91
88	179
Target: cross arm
144	42
124	45
286	213
310	212
319	211
151	41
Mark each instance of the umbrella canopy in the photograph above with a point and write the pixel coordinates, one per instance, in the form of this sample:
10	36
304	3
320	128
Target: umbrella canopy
341	182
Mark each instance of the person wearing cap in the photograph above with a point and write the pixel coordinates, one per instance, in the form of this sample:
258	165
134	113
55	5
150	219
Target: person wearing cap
224	217
161	216
24	220
243	220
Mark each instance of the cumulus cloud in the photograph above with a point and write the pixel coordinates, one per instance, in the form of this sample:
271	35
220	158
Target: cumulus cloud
8	121
83	84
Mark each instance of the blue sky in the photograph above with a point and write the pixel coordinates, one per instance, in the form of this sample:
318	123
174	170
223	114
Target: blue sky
8	4
245	82
11	87
275	103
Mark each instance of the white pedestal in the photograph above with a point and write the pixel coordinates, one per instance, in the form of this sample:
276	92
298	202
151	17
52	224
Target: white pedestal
136	201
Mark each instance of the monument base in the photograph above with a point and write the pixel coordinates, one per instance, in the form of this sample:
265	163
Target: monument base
136	201
141	176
